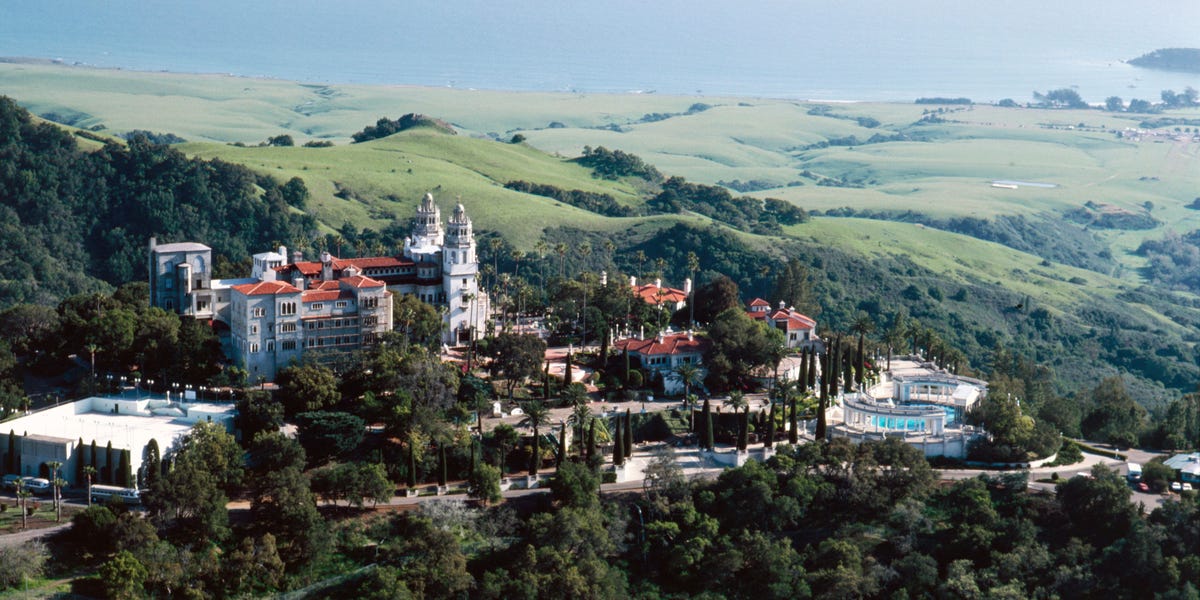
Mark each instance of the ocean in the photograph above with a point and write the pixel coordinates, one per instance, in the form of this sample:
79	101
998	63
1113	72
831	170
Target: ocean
852	50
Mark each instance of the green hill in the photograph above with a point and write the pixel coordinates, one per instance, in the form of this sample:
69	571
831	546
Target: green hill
907	211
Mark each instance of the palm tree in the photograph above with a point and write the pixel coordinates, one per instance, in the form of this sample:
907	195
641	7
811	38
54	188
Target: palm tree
90	473
737	400
610	247
536	415
640	257
581	415
585	251
863	324
540	248
494	245
561	250
693	264
54	466
517	255
689	374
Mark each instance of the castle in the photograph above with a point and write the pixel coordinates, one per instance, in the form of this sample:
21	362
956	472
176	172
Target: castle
289	306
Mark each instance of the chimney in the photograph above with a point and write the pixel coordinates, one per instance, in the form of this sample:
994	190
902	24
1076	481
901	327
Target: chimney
690	338
298	281
658	283
660	337
632	281
269	274
297	256
283	255
326	266
782	305
687	286
603	277
153	242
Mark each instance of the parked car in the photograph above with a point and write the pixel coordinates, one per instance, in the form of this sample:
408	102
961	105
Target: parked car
10	481
1176	486
1142	487
1187	487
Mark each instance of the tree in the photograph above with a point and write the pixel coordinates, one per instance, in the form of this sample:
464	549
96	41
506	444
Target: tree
505	438
516	357
189	502
536	415
258	411
484	484
54	466
254	568
90	473
693	264
305	388
581	415
863	324
122	577
1114	104
795	287
282	506
575	485
618	444
418	321
1115	418
326	435
739	346
628	438
706	433
20	563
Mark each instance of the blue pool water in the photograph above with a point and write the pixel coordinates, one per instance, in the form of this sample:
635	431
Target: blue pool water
911	424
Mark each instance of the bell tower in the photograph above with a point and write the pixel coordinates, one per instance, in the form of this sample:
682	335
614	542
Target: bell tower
460	270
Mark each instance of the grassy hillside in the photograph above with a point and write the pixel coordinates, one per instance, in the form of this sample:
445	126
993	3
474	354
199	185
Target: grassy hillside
911	168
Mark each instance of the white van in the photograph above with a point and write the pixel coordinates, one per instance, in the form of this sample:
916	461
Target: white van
107	493
1135	472
10	481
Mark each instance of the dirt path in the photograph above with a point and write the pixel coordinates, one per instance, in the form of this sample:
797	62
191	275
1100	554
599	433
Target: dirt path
20	537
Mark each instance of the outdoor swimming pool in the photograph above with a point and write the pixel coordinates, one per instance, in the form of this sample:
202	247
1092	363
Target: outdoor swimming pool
901	423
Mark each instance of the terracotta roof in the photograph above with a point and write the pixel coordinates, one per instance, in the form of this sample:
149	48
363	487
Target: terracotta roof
324	295
675	343
652	294
759	302
358	281
324	286
266	287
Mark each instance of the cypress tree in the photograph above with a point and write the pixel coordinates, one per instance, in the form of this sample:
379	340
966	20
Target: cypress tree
704	429
743	430
823	402
793	422
628	433
94	463
770	441
412	465
546	383
860	364
123	470
567	371
625	376
153	461
442	464
708	427
79	463
109	464
591	439
10	459
811	384
618	445
471	471
562	445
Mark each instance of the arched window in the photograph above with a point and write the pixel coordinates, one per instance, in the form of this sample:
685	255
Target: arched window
198	263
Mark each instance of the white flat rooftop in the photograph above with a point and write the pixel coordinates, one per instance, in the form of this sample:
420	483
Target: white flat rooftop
181	247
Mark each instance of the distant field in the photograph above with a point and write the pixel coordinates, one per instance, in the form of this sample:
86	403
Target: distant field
942	167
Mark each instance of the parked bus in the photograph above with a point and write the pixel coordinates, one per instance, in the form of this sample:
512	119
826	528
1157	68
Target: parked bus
106	493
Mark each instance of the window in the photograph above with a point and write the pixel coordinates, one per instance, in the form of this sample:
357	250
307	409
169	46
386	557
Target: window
270	346
169	304
287	327
253	348
253	329
339	304
370	320
316	306
258	311
287	308
287	345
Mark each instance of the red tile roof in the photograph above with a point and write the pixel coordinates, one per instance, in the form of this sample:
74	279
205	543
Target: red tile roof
675	343
324	286
359	282
652	294
266	287
759	302
325	295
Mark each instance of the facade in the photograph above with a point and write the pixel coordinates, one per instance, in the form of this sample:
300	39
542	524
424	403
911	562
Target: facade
799	331
128	422
662	354
291	306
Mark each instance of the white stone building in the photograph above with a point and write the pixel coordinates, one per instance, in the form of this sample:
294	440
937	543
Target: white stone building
289	307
